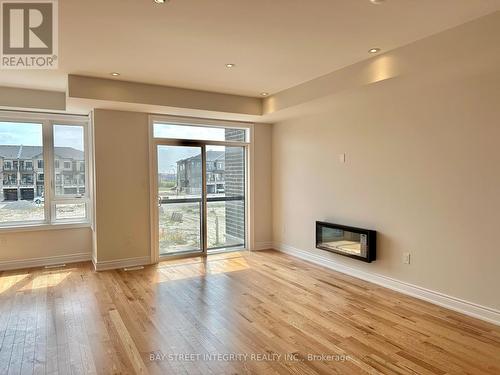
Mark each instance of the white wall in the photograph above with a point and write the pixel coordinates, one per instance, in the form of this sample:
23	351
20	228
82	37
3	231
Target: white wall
14	97
263	233
26	248
121	185
113	90
422	169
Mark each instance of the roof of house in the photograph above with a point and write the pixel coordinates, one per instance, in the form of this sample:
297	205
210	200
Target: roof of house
9	152
68	153
29	152
211	156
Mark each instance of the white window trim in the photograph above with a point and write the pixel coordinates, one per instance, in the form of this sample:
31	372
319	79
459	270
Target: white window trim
48	120
200	122
68	199
249	169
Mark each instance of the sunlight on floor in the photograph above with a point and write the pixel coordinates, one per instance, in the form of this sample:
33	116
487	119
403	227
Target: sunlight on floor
46	280
6	282
32	281
200	266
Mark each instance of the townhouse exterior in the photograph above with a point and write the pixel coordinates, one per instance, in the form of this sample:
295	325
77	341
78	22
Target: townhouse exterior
226	178
22	174
189	174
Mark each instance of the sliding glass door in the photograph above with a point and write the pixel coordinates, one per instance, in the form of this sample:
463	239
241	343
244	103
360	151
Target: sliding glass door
225	186
180	204
200	189
200	198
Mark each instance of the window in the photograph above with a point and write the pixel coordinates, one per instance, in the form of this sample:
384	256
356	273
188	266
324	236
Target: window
205	133
21	141
69	144
27	179
217	198
31	194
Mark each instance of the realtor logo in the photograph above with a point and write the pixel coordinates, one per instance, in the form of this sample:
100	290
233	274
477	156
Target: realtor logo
29	34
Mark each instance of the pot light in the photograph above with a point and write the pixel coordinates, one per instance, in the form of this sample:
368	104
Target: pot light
374	50
230	65
377	1
160	1
264	94
115	74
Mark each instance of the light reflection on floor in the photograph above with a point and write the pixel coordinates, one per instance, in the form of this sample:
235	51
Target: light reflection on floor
201	266
23	281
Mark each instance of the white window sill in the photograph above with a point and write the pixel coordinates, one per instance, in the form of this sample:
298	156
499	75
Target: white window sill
42	227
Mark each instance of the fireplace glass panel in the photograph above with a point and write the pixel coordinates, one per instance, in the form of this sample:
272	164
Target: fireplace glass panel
344	241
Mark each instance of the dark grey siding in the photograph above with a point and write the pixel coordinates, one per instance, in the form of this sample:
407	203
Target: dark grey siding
235	186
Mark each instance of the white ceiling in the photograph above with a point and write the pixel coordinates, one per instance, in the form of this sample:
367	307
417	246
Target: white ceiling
275	44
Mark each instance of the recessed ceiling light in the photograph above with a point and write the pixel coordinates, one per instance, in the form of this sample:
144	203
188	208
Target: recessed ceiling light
230	65
160	1
374	50
264	94
377	1
115	74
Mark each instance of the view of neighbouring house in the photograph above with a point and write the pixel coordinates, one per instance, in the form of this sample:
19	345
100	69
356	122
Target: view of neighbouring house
189	179
225	185
22	172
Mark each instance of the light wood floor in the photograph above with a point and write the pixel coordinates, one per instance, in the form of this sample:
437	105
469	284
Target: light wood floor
265	305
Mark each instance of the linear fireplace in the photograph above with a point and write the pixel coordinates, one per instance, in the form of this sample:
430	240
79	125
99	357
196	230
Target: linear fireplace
351	242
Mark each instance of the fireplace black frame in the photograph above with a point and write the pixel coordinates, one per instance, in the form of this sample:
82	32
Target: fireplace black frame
371	235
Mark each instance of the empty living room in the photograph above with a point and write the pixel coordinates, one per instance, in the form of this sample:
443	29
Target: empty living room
250	187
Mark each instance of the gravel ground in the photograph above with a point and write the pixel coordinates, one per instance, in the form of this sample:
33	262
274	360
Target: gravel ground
182	233
15	211
20	211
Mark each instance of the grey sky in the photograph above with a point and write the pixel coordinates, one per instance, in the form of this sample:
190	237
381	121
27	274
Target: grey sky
13	133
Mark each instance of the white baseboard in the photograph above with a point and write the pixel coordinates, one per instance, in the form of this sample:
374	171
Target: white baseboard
121	263
465	307
45	261
263	245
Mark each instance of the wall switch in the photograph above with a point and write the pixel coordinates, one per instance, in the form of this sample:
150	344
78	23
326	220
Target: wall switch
342	157
406	258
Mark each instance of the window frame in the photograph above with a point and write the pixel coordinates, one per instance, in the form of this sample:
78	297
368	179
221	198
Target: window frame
201	123
68	198
48	121
248	146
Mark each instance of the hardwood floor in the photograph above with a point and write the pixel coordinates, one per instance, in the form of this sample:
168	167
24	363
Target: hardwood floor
232	313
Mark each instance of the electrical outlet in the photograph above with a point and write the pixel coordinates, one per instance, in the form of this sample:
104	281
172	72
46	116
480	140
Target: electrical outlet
406	258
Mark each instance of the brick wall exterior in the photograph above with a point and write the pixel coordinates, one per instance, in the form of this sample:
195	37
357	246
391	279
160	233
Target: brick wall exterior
235	185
